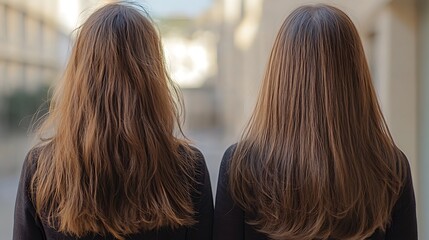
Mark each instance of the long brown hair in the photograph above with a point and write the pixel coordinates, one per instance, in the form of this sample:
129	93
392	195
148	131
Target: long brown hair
317	159
112	164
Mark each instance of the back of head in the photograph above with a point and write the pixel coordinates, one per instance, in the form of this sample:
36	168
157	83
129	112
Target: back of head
112	164
317	159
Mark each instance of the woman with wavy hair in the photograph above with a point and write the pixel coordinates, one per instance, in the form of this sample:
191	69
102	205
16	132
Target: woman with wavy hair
112	166
317	160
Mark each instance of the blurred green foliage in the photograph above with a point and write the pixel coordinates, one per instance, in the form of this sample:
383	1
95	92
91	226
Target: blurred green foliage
21	108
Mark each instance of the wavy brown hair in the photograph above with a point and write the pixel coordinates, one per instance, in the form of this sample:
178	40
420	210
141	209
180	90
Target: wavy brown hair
112	163
317	160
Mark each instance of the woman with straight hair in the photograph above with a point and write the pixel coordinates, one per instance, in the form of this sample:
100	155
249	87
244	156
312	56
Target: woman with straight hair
317	160
109	165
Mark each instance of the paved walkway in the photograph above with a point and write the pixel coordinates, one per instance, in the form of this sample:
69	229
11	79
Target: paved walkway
8	186
13	149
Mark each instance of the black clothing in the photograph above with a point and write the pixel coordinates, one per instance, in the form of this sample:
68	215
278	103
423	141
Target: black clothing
229	219
27	225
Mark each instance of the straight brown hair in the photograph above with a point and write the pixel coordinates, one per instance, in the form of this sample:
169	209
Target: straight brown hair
112	163
317	160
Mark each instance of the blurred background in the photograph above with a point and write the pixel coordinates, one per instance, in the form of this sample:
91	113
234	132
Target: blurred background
217	51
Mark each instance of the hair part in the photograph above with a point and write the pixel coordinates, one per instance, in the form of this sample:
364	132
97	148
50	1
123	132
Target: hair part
317	159
112	164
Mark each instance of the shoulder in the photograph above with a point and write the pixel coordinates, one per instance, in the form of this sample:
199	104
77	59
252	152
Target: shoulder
196	153
229	152
403	222
28	170
405	197
201	178
197	156
404	168
30	163
225	163
199	166
188	150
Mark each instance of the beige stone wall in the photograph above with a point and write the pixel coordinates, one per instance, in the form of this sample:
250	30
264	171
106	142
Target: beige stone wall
423	116
34	40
